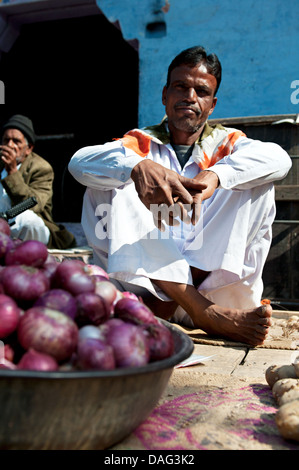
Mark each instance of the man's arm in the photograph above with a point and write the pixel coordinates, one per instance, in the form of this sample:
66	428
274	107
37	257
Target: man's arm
252	163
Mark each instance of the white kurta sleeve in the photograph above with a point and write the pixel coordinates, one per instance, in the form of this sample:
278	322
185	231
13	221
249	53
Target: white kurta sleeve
103	167
252	163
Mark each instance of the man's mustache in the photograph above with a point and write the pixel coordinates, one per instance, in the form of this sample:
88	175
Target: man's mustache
183	104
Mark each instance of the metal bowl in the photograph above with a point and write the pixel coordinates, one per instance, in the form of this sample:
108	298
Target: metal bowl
78	410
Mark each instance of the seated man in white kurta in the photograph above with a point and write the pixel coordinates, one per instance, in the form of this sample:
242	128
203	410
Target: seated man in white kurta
201	265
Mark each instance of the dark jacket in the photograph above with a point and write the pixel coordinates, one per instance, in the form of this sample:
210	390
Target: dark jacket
35	178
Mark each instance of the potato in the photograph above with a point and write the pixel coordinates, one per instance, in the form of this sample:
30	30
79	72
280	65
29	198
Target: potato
287	420
285	390
275	373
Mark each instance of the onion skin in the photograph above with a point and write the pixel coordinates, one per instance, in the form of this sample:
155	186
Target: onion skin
58	299
23	283
91	331
6	244
91	309
160	341
134	311
49	269
95	270
48	331
129	344
35	360
9	316
94	354
72	275
107	290
29	253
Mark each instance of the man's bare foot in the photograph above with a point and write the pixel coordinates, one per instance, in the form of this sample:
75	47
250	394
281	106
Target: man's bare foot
246	326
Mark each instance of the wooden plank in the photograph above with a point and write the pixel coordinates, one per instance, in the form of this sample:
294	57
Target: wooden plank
253	120
258	360
285	192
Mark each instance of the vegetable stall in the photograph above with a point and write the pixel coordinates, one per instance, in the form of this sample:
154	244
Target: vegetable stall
147	384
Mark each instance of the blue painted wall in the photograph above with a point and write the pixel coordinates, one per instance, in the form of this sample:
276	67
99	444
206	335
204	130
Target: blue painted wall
257	43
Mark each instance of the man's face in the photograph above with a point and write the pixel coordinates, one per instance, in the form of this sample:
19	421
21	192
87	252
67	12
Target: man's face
15	139
189	100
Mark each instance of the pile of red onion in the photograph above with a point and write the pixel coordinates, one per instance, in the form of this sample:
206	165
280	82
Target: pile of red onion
69	316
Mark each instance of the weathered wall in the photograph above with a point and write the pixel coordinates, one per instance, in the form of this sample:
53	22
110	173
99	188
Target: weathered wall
257	43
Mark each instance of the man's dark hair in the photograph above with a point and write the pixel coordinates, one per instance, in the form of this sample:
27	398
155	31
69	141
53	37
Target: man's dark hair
192	57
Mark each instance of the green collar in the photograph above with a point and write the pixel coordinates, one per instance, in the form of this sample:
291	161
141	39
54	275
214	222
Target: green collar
161	132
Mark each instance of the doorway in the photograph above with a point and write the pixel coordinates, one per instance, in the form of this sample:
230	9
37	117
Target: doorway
77	79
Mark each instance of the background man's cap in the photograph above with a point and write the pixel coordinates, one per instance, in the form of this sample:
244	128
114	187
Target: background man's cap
23	124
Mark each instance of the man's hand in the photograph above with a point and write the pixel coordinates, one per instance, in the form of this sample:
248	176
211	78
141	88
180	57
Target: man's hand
159	186
9	156
210	180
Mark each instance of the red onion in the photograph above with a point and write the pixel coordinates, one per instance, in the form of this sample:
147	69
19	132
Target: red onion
6	244
8	352
58	299
94	354
134	311
9	315
129	295
30	253
6	356
129	344
5	364
23	283
72	276
5	227
160	341
48	331
91	331
49	269
97	270
107	290
91	309
35	360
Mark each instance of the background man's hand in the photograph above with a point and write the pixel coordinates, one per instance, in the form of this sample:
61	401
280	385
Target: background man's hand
9	156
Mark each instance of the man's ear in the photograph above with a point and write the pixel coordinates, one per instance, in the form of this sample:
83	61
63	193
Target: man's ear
164	92
213	105
29	149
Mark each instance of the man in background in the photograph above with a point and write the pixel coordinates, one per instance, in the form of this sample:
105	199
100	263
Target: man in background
25	174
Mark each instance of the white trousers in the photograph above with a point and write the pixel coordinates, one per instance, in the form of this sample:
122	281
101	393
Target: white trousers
231	241
29	226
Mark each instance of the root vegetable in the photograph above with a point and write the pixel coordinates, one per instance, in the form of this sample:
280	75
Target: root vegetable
34	360
72	275
94	354
9	315
6	244
23	283
58	299
275	373
91	309
29	253
160	341
287	420
48	331
285	390
134	311
129	343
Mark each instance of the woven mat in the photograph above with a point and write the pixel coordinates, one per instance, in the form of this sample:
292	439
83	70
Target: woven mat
206	417
283	334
